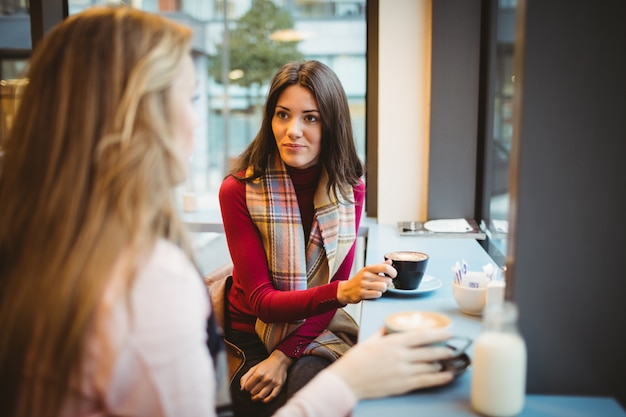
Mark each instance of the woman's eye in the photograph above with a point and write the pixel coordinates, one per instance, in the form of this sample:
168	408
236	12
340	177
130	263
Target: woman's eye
282	115
311	119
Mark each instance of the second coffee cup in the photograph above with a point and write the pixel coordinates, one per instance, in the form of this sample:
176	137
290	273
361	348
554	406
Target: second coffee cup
411	267
415	319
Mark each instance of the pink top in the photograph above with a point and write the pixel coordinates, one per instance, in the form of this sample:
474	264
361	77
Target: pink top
152	360
252	294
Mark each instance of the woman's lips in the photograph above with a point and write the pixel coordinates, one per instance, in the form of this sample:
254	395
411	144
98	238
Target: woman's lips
293	147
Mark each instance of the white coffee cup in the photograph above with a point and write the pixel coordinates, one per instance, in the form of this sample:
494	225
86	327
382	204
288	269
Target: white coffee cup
417	319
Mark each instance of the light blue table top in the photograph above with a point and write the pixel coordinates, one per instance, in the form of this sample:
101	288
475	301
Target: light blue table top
451	400
203	221
443	255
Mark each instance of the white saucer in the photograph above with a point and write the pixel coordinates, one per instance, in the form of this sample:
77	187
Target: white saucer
448	226
428	284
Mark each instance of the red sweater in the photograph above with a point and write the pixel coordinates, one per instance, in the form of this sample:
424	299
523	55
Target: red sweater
252	294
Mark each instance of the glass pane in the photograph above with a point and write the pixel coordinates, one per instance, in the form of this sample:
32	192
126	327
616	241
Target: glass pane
10	94
15	45
502	128
261	35
14	25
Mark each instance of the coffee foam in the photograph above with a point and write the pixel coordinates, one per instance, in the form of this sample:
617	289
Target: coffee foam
410	320
406	256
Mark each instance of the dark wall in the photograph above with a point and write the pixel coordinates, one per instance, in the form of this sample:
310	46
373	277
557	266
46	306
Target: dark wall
454	108
567	239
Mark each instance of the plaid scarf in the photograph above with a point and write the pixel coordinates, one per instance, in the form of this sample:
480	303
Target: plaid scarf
273	207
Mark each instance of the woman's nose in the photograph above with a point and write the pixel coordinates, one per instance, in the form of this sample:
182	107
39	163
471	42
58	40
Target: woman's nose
295	129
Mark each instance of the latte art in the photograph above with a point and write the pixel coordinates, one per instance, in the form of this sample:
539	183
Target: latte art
406	256
411	320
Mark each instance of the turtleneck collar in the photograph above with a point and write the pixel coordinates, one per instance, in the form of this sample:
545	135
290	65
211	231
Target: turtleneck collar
304	178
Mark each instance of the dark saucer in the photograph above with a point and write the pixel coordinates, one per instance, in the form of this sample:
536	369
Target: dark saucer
457	365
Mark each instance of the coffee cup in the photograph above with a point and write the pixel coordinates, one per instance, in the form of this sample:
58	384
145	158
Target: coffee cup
416	319
410	266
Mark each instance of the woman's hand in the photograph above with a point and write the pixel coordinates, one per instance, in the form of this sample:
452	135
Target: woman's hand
265	379
367	283
394	364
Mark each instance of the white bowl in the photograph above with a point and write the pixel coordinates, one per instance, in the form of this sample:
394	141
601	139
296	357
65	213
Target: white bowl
470	300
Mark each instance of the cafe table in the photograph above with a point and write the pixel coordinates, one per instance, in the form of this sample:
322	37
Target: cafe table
203	221
451	400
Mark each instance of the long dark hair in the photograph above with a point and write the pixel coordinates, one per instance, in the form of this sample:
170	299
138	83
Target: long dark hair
338	155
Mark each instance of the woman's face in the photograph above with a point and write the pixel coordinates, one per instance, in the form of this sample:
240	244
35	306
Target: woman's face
183	114
297	127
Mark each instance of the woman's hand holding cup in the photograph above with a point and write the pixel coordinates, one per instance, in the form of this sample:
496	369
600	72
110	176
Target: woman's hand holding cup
370	282
395	364
427	320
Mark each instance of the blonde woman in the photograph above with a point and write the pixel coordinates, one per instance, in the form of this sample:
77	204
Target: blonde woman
101	308
102	311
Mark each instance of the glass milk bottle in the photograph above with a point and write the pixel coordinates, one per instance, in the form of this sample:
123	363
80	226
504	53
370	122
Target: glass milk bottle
498	383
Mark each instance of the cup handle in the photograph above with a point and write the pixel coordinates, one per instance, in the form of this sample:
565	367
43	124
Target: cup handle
459	347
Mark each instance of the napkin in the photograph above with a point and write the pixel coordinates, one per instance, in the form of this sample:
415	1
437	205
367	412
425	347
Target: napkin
448	226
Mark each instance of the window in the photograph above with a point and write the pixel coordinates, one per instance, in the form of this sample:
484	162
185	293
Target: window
500	131
14	52
333	32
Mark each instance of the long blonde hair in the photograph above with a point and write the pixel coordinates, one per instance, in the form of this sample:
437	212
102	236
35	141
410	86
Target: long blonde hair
87	175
